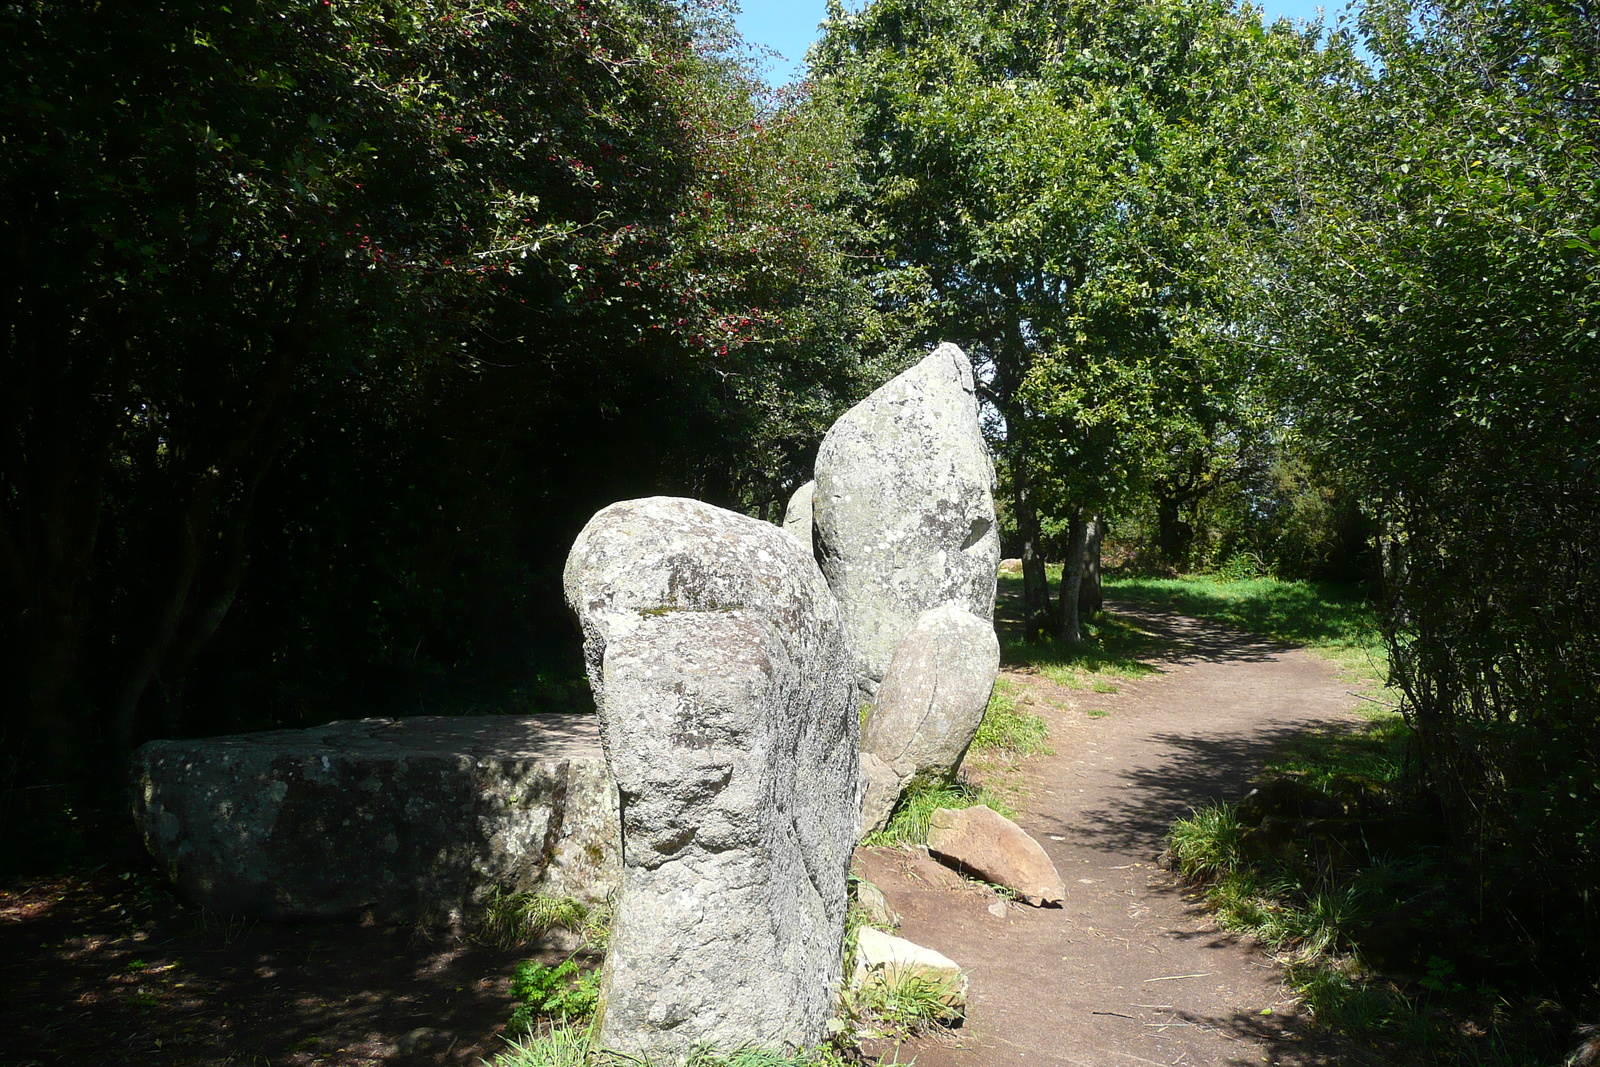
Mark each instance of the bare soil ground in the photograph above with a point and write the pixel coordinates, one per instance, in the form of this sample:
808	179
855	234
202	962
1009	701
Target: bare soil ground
108	969
1130	970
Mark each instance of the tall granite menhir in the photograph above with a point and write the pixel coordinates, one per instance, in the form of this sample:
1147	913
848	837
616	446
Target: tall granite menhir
904	508
904	520
728	714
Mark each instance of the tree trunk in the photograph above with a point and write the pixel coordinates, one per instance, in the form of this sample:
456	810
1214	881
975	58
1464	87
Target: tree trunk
1174	535
1035	585
1090	599
1070	625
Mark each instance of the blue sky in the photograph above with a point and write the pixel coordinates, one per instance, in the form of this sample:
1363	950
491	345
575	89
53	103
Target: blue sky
789	26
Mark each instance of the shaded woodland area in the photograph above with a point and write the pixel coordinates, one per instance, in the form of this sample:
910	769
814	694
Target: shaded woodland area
327	324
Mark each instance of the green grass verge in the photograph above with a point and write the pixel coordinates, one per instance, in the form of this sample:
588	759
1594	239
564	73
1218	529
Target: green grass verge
1007	729
1320	917
1379	942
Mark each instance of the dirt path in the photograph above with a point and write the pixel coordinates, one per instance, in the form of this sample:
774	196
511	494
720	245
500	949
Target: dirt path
1129	971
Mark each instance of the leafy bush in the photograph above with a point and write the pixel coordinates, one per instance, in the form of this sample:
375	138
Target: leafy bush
563	992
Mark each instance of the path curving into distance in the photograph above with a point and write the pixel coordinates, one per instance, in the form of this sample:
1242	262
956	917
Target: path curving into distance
1129	971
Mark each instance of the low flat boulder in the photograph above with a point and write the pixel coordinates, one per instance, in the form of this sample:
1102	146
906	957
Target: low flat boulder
884	959
991	846
386	820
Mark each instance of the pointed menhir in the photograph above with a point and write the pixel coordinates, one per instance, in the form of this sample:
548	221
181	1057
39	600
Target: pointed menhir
904	508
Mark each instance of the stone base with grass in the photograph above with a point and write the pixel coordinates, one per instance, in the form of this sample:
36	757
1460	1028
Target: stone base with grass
387	820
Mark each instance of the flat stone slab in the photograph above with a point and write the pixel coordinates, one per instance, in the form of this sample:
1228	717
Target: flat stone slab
981	840
388	820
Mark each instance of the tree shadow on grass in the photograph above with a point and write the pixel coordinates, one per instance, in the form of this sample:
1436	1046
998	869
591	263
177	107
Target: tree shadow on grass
1316	613
1178	638
1130	639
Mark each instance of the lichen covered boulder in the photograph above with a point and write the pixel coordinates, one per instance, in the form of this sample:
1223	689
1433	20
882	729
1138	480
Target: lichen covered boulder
934	694
904	508
388	820
728	704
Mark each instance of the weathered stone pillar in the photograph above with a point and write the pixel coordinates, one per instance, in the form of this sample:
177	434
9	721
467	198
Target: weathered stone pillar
904	508
729	717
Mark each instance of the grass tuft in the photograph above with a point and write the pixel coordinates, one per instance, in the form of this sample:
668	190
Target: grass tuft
1206	844
561	1046
572	1046
909	824
1009	730
900	1006
512	920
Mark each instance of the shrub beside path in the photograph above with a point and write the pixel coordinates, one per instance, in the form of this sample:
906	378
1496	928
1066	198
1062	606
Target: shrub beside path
1130	971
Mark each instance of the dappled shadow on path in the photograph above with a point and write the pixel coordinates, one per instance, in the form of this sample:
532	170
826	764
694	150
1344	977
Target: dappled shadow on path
1276	1040
1187	772
1190	641
107	970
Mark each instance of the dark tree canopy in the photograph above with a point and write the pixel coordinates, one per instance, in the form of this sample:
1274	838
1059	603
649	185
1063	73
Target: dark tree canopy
328	324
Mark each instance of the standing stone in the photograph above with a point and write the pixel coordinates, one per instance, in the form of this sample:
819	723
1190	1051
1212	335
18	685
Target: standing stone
728	714
904	508
797	516
933	698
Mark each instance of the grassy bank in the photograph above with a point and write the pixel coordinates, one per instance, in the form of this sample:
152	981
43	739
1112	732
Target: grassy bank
1339	622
